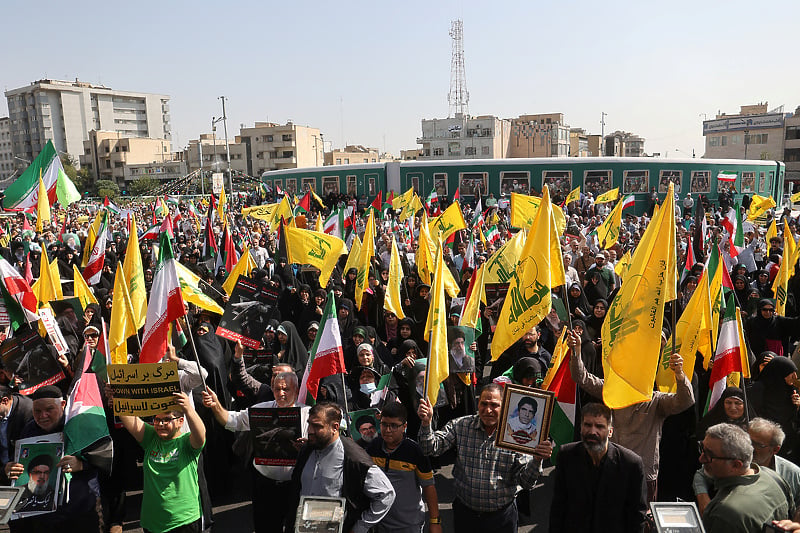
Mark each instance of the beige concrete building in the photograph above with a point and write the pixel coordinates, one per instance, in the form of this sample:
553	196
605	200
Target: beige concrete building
624	144
791	149
107	153
581	144
465	137
356	154
539	135
65	112
410	155
6	154
753	133
270	146
212	149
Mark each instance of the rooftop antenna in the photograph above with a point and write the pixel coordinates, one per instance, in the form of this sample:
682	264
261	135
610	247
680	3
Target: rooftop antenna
458	97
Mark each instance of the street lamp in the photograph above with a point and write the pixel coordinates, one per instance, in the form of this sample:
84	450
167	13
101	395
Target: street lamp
746	134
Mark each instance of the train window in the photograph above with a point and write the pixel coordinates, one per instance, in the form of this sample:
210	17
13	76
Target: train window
472	183
291	186
351	186
634	181
701	181
330	185
278	184
596	182
559	182
372	188
762	181
440	184
514	182
665	176
748	181
309	184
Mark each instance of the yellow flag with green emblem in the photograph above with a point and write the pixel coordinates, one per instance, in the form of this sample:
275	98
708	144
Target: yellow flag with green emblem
424	256
573	196
447	223
540	268
608	231
471	316
438	367
42	206
524	208
501	264
319	250
82	291
606	197
393	302
759	205
243	267
402	200
135	277
192	292
365	256
352	257
786	270
122	324
772	231
631	333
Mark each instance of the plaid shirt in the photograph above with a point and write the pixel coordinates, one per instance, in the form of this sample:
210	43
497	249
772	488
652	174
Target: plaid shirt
486	476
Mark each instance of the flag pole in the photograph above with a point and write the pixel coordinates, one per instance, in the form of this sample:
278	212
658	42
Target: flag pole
566	306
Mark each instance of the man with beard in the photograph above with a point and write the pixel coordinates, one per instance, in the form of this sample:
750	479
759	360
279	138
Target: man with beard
460	362
599	485
528	347
334	466
38	494
367	429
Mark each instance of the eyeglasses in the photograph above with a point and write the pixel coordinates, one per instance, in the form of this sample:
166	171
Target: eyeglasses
392	427
710	455
768	309
91	336
164	421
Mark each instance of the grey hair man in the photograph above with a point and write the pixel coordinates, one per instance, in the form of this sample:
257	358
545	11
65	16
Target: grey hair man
767	439
748	496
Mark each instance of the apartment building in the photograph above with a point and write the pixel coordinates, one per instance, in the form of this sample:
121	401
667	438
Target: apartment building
6	154
107	154
270	146
753	133
212	150
465	137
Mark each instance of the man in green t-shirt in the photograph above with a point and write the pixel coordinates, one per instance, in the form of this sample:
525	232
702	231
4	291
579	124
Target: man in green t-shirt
171	498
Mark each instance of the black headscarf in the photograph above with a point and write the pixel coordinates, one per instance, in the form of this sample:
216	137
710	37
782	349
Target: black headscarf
717	413
295	353
579	302
528	367
346	325
212	355
594	325
771	396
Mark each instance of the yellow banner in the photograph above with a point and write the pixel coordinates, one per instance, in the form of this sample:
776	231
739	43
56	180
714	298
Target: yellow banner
365	256
144	389
501	264
608	231
573	196
447	223
606	197
524	209
393	302
438	367
135	277
322	251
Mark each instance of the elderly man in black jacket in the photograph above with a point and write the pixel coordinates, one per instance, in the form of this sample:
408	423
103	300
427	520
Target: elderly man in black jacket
15	412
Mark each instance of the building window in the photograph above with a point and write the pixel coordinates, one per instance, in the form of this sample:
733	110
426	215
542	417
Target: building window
346	160
748	181
470	150
268	138
792	133
287	153
484	150
756	138
438	152
714	141
338	160
286	137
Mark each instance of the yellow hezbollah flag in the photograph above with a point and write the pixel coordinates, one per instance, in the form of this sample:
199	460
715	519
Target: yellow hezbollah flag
135	277
772	231
82	291
284	210
393	302
559	353
471	315
501	264
88	246
608	231
45	287
123	324
438	367
260	212
402	200
424	256
631	333
786	270
410	209
759	205
322	251
606	197
524	208
352	257
318	227
365	255
692	330
795	198
623	265
243	267
541	267
573	196
221	205
447	223
42	206
191	291
56	276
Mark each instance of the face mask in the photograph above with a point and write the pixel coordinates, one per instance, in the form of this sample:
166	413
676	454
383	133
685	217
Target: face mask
368	388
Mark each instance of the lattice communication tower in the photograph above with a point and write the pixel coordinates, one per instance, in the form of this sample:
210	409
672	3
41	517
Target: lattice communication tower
458	97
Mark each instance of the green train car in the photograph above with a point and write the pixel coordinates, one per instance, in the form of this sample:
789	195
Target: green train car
500	177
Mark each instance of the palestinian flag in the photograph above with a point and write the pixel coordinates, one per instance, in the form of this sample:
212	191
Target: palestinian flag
377	205
23	194
210	248
687	268
111	206
326	356
559	381
166	302
304	204
227	258
457	195
84	416
174	200
388	203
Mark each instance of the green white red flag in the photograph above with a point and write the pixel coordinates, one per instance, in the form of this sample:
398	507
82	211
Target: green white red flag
326	354
23	194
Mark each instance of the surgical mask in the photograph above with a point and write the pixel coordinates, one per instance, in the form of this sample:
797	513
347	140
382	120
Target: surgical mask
368	388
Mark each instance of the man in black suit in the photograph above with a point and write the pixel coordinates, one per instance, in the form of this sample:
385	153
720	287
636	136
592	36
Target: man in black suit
599	486
15	412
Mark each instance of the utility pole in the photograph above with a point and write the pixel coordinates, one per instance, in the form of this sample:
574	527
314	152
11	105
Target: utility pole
200	149
227	147
603	133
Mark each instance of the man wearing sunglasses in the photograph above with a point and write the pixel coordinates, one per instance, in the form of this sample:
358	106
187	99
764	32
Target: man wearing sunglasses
748	496
171	496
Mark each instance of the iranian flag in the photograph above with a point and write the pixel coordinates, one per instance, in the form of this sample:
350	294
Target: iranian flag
334	224
727	176
84	416
19	290
166	302
327	356
731	354
478	220
151	233
96	261
432	197
733	224
629	201
559	381
493	235
23	194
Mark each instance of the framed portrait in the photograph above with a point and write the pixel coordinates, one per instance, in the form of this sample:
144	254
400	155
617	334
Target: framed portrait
461	358
525	419
39	456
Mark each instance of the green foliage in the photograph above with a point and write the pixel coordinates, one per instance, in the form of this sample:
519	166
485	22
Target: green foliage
83	179
142	185
107	188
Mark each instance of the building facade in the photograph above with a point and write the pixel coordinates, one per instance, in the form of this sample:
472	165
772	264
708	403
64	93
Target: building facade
107	154
212	149
539	135
753	133
624	144
581	144
270	146
465	137
356	154
6	154
65	112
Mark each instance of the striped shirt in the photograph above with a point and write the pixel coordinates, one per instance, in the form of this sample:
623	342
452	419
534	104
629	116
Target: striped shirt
486	476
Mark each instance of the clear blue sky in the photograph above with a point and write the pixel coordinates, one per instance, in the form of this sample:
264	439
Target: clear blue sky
367	72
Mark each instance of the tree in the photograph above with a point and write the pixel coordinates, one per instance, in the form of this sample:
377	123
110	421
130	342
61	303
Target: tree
82	178
142	185
107	188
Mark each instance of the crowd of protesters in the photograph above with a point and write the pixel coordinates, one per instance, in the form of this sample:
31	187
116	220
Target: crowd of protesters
387	478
